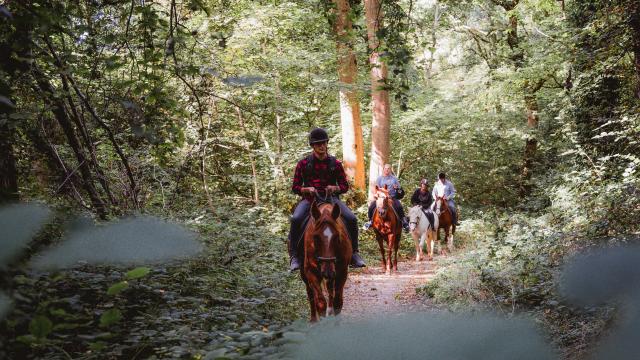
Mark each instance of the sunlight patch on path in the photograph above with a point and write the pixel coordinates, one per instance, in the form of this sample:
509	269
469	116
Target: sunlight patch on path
370	292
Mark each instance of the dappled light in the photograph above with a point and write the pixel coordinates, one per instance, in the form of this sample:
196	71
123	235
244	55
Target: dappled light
160	161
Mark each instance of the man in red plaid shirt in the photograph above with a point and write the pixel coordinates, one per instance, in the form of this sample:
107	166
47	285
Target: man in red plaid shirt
320	175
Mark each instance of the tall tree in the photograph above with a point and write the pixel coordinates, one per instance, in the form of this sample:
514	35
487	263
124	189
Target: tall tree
380	109
352	142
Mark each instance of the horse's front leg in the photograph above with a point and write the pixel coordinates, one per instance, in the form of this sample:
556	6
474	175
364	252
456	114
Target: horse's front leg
315	292
450	239
396	246
381	245
312	304
341	279
390	242
431	235
417	241
331	291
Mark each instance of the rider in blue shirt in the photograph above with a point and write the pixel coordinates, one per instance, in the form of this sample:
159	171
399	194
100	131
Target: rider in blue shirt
395	192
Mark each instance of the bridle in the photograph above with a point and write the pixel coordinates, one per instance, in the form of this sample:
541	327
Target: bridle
325	259
440	203
381	211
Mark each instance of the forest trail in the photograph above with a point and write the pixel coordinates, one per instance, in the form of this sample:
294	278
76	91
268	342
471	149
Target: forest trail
369	292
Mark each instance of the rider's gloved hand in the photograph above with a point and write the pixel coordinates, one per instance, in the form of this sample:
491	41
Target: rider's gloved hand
308	190
332	189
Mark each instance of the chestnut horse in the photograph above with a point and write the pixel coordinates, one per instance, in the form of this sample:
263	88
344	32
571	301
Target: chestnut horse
387	227
441	208
327	253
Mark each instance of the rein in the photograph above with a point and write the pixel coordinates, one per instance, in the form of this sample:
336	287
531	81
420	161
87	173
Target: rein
323	199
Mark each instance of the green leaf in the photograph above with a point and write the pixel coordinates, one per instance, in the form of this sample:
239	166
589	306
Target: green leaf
117	288
40	326
97	346
27	339
110	317
137	273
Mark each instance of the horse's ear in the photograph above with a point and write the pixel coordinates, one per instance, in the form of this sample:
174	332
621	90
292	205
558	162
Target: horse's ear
335	212
315	212
385	186
377	188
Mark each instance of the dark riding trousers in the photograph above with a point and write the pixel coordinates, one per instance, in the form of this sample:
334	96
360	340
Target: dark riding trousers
397	206
301	216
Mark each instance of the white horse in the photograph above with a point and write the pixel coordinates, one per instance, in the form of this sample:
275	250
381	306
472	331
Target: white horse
423	224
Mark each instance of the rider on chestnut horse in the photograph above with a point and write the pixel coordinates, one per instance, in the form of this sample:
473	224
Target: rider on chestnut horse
444	187
395	191
321	176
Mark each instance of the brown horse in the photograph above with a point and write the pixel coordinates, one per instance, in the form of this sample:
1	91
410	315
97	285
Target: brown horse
387	227
327	253
441	208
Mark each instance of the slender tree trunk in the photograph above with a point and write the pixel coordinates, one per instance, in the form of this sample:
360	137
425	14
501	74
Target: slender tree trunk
8	173
635	34
134	189
352	141
58	109
434	41
531	144
278	140
204	137
254	173
381	111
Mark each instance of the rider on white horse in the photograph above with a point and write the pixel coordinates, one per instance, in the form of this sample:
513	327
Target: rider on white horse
444	187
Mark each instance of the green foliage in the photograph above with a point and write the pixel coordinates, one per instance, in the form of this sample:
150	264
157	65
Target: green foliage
40	326
118	287
110	317
137	273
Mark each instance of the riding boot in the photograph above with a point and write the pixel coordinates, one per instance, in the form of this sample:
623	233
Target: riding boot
405	224
356	260
372	208
294	261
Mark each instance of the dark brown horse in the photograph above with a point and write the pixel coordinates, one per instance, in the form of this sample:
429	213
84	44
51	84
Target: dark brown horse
388	228
327	252
441	208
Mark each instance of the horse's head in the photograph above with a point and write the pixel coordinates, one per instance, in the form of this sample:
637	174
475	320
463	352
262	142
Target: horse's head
415	213
382	194
325	238
440	205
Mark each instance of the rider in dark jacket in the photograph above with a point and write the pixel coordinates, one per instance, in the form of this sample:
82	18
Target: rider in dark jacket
422	195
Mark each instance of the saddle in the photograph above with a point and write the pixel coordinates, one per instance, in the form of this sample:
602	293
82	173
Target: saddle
303	225
430	216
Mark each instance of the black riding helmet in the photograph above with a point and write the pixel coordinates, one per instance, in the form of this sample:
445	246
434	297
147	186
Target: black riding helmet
318	135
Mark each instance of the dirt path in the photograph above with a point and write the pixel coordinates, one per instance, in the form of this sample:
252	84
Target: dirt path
369	291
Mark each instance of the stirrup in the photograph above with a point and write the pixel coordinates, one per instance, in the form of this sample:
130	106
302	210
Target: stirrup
294	264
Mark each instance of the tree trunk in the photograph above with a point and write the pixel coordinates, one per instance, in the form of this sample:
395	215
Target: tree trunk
58	109
635	34
531	145
254	173
434	41
8	173
381	112
352	142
